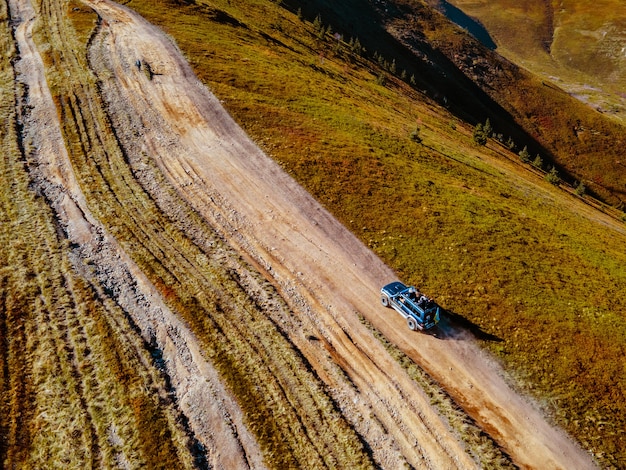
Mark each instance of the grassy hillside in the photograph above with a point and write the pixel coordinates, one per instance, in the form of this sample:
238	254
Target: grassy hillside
584	144
530	268
577	44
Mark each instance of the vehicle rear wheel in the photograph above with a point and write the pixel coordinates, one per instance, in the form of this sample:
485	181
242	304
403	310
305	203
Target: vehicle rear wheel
384	300
412	324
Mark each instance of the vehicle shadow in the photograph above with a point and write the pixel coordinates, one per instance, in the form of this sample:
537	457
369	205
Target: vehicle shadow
455	326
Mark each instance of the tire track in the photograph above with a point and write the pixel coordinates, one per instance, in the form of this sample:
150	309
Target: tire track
139	299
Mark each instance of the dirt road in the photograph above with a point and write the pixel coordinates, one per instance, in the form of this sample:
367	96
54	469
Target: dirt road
327	276
193	146
312	258
309	254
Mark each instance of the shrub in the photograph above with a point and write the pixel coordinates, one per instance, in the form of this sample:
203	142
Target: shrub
479	134
524	155
415	135
553	177
510	143
147	70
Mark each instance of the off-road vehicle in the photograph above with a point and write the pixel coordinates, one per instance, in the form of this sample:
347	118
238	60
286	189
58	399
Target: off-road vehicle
420	311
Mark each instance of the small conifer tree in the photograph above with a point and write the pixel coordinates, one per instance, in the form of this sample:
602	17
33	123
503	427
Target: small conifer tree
524	155
553	177
317	23
479	134
487	129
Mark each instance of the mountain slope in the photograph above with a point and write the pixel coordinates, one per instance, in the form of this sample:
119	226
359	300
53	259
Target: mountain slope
453	217
585	145
511	257
577	44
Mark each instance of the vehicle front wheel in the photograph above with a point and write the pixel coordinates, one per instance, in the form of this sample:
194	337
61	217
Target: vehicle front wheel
384	300
412	324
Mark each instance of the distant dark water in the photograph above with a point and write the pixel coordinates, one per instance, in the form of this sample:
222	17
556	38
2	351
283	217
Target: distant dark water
472	26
